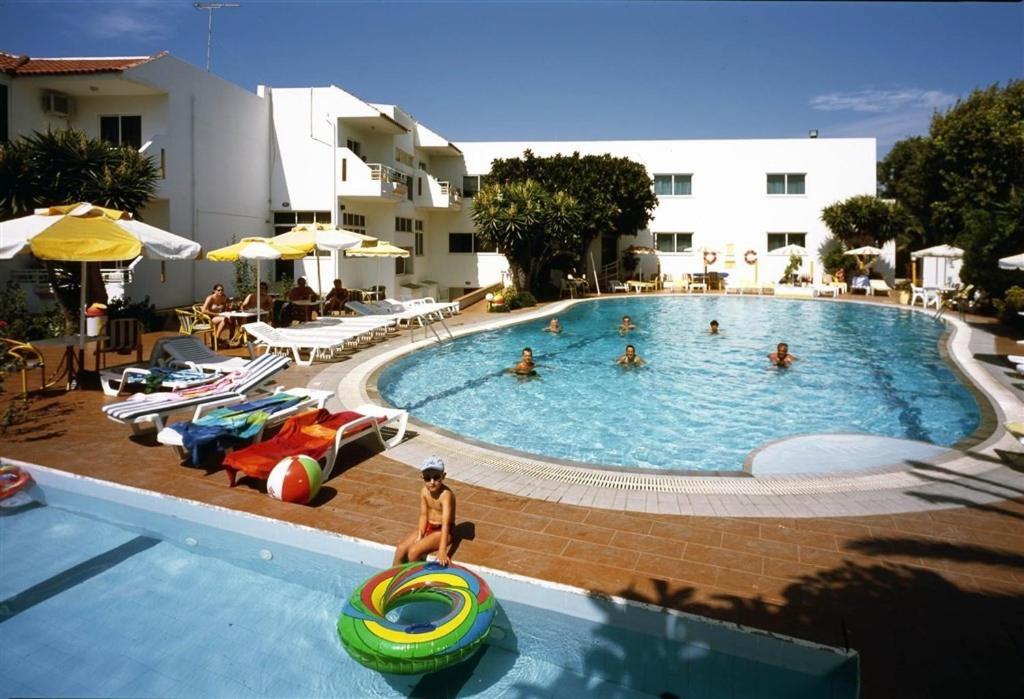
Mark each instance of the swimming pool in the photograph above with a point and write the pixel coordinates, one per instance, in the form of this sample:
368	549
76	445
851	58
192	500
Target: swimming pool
115	592
703	402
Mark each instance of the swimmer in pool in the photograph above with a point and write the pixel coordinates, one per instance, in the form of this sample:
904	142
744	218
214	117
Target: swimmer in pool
525	367
630	358
627	325
781	356
713	328
553	327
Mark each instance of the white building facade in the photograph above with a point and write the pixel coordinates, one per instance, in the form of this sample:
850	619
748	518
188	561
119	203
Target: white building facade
236	163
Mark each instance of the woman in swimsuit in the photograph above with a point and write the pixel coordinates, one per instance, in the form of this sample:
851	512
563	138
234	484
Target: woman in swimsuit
215	304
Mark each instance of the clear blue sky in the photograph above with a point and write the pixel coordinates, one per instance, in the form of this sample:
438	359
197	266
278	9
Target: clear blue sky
578	70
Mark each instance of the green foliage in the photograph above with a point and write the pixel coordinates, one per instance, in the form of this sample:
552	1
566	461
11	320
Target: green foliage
833	257
615	195
1010	306
866	220
143	311
964	183
17	323
527	224
519	299
64	167
794	264
245	277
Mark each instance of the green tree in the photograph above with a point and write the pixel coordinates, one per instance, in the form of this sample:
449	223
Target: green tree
867	220
529	225
963	183
615	196
65	167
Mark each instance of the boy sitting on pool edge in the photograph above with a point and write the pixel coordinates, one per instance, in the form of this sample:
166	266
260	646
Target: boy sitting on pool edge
437	518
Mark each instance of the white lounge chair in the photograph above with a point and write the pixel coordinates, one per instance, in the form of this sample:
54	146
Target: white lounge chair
152	409
292	342
928	297
878	286
189	351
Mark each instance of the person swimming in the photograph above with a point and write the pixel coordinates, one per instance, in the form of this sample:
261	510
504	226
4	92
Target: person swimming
629	358
781	356
713	328
553	326
525	367
627	325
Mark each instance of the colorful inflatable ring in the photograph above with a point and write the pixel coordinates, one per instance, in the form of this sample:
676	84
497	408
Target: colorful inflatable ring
411	649
710	256
750	257
12	479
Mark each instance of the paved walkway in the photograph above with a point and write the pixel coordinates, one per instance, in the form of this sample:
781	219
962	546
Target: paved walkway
933	600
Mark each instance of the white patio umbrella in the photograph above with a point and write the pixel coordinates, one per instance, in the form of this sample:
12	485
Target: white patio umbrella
314	237
864	251
88	233
1012	262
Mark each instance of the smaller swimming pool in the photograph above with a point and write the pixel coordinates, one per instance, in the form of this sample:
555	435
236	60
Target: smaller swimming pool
115	592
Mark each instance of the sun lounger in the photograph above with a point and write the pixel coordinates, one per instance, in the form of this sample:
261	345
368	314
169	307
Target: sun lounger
153	408
116	381
291	341
189	351
421	316
318	434
225	427
878	286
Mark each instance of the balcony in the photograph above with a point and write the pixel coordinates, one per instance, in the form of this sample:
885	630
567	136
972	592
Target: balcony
370	181
440	195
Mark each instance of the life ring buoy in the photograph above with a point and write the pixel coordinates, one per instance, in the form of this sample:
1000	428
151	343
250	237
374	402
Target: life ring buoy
710	257
750	257
12	479
426	646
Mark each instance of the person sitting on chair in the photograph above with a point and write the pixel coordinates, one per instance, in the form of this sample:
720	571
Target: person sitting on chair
300	292
336	298
215	304
266	301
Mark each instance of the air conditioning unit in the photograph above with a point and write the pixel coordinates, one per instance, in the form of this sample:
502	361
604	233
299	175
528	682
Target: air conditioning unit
57	104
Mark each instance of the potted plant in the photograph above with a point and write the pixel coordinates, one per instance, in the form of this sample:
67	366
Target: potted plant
901	292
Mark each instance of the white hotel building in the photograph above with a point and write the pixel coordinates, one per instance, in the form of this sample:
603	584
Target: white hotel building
236	164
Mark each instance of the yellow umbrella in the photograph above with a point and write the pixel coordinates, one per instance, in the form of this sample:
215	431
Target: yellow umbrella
379	249
87	233
255	248
313	237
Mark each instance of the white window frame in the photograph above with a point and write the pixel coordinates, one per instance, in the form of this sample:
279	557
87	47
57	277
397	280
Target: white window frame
802	243
785	176
474	250
672	181
675	243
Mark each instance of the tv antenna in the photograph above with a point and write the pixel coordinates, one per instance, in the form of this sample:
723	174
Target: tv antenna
210	7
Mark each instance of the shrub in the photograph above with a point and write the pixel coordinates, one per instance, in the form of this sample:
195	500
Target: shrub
518	299
1010	306
143	311
17	323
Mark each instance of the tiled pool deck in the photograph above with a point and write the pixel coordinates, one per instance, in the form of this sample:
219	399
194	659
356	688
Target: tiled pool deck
923	574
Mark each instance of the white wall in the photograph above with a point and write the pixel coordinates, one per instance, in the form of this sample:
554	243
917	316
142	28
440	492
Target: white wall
729	204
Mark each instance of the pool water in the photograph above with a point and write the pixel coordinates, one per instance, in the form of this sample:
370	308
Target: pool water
100	599
703	401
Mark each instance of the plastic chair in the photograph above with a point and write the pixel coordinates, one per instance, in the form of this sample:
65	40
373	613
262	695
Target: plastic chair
25	357
122	336
203	323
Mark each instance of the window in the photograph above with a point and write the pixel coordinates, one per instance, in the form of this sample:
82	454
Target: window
468	242
419	225
122	130
781	240
354	222
423	166
418	246
403	157
789	183
354	146
419	186
3	114
673	185
470	185
403	225
404	265
673	242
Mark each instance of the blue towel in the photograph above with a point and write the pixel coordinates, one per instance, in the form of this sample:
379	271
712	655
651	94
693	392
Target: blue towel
227	426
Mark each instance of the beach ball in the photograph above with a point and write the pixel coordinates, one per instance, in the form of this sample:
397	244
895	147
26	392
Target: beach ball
295	479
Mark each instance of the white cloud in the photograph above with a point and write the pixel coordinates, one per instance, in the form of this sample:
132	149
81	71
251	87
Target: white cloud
143	20
882	101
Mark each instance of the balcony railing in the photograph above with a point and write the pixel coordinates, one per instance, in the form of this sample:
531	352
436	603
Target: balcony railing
386	174
454	194
154	148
